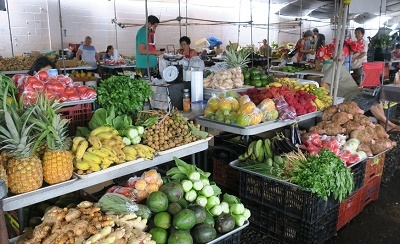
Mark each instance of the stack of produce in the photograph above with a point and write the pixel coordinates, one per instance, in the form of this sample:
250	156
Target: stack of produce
17	63
224	79
22	130
87	224
82	63
323	100
170	130
58	87
255	78
289	69
116	62
82	76
190	208
138	188
348	119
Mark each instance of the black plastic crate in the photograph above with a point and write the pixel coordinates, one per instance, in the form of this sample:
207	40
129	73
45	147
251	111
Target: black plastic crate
232	239
358	172
287	229
291	200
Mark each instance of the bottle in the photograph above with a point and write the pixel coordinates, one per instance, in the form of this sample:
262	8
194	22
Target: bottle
186	100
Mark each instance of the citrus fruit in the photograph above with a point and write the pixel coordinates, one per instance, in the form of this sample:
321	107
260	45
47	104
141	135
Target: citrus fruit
208	111
157	202
162	220
159	235
247	108
242	120
235	105
213	103
225	104
244	99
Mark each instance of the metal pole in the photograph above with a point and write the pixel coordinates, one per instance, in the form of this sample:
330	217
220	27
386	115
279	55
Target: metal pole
301	17
238	37
147	41
186	26
251	31
180	19
339	58
115	25
338	33
61	34
9	27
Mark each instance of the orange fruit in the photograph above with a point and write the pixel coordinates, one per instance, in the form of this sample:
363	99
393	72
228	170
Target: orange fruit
151	176
243	120
140	185
267	104
208	112
213	103
151	188
256	117
235	105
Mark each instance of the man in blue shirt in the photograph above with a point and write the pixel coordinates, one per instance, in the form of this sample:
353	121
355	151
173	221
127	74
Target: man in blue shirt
141	51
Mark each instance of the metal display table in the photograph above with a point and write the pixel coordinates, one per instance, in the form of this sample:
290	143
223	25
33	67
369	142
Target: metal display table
27	199
389	93
72	103
281	72
118	66
254	129
301	74
14	72
77	68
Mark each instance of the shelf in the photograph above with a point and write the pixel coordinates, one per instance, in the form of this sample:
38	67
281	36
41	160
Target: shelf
13	72
118	66
26	199
254	129
72	103
78	67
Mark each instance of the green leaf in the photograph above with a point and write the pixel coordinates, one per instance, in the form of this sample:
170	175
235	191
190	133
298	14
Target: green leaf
98	119
179	177
180	163
82	131
173	171
217	190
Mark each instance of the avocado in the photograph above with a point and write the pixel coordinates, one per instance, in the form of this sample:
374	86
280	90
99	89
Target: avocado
180	237
225	223
209	220
173	190
204	233
199	211
184	220
174	208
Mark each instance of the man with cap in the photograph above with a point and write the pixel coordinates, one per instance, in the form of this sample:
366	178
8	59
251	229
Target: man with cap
319	39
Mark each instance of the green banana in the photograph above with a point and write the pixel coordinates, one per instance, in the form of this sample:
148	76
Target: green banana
258	147
250	148
260	157
270	162
268	149
278	160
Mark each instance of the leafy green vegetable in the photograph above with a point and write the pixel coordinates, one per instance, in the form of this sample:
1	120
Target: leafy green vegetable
125	94
325	174
82	131
98	119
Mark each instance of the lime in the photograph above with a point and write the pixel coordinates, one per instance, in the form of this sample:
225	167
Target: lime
246	74
162	220
255	71
159	235
247	81
255	76
263	76
258	83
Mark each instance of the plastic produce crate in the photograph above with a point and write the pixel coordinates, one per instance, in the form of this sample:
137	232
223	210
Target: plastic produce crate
358	172
79	115
232	239
349	209
226	176
289	199
374	167
370	191
287	229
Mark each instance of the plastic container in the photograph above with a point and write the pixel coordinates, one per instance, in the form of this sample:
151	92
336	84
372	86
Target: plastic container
358	172
92	83
287	229
52	72
198	107
79	115
370	191
374	167
186	100
349	209
291	200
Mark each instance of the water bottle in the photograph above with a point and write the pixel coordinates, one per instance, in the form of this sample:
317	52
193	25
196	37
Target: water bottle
186	100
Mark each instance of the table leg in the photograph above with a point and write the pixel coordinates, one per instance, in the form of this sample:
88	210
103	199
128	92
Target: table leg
387	116
3	227
21	220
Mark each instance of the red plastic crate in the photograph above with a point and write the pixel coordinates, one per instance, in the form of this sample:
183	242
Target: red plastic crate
349	209
370	191
79	115
374	167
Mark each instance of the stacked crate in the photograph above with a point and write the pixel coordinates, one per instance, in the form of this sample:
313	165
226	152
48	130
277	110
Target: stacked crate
285	212
369	191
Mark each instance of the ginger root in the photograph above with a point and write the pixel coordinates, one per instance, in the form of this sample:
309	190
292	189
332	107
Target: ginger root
72	214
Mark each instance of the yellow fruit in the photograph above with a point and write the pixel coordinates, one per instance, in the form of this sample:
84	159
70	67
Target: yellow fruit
208	112
80	150
225	105
244	99
57	166
24	175
151	176
100	129
140	185
247	108
267	104
94	141
235	105
256	117
104	136
151	188
213	103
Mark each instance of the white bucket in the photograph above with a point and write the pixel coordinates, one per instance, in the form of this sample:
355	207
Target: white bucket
92	83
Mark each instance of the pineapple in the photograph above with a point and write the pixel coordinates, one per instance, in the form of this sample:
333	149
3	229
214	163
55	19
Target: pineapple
236	58
4	157
57	159
3	174
24	170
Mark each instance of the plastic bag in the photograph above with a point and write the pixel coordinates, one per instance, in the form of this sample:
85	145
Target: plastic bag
119	204
214	42
286	112
244	99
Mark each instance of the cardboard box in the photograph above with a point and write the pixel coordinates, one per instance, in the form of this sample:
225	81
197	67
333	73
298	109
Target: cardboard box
68	63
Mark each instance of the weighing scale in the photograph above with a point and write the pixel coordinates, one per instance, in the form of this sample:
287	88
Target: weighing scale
173	73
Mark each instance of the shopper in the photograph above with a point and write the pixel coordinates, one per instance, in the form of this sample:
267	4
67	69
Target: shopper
319	39
185	48
109	53
88	53
302	48
359	57
141	50
349	90
265	49
41	63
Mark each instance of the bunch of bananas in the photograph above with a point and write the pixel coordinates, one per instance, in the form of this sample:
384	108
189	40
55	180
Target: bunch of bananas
305	87
103	148
287	82
323	99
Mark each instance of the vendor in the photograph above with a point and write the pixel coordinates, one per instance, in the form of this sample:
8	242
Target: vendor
265	49
359	57
41	63
303	47
396	56
109	53
88	53
185	48
349	90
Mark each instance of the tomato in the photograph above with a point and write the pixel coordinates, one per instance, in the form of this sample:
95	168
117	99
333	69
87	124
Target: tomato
68	81
75	97
30	79
52	80
58	88
37	85
88	94
81	89
43	75
63	97
70	91
50	94
18	79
